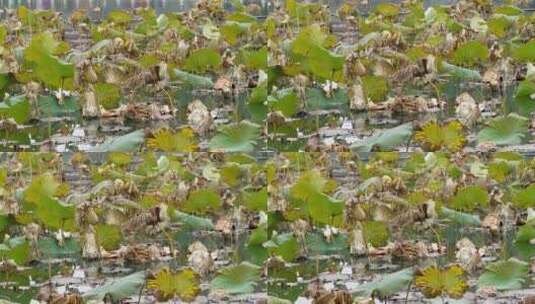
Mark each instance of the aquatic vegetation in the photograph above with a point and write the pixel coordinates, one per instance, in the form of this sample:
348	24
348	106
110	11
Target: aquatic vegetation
415	207
282	152
436	282
185	284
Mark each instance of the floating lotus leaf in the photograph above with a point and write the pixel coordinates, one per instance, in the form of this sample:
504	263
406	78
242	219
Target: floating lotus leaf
256	59
125	143
308	185
50	70
17	249
285	101
524	241
117	289
505	130
108	95
109	236
323	209
469	198
523	97
470	53
202	201
386	140
202	60
255	200
16	107
387	285
284	245
503	275
193	80
55	214
237	279
525	198
376	233
387	9
375	87
42	186
460	72
239	137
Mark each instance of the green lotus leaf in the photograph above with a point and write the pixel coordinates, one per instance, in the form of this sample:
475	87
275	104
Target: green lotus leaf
47	68
316	99
301	12
3	34
255	200
499	26
257	101
17	249
68	248
284	245
508	10
524	241
435	282
524	52
55	215
16	107
41	186
499	170
241	17
469	198
256	59
49	106
120	17
525	198
461	218
108	95
237	137
375	87
202	201
385	140
258	236
470	53
309	184
202	60
4	222
286	101
460	73
387	9
190	221
117	289
193	80
237	279
309	38
523	100
231	31
126	143
325	64
505	130
387	285
376	233
323	209
503	275
317	244
109	236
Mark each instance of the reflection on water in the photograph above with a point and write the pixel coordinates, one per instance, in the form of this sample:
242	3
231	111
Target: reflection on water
67	6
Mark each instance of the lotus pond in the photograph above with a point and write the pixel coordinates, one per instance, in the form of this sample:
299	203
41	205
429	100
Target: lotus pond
267	152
